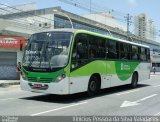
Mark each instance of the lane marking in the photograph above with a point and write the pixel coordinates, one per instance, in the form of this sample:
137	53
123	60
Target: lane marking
148	97
56	109
157	86
158	114
8	99
122	93
137	102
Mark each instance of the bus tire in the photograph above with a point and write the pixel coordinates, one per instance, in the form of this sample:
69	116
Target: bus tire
93	86
134	80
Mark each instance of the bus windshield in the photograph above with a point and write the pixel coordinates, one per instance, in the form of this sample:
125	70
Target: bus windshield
47	50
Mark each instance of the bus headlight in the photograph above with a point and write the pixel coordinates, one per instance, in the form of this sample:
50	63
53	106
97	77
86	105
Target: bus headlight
60	77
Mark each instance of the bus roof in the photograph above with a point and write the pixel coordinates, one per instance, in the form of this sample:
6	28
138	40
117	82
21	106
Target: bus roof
96	34
110	37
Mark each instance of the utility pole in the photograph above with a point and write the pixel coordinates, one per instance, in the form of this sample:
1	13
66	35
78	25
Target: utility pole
128	19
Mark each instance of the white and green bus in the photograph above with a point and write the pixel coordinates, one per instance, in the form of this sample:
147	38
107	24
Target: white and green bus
68	61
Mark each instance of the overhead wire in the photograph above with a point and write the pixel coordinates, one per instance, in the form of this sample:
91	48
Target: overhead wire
66	1
99	9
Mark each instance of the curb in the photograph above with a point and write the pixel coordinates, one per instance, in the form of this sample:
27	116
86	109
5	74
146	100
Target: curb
155	74
9	83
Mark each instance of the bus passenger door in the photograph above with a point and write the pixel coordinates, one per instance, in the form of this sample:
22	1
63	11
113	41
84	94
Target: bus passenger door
106	79
78	72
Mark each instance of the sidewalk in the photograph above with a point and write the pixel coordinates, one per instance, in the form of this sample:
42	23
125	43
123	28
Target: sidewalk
156	73
5	83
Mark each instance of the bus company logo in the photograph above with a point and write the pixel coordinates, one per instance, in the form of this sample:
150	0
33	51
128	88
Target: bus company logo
125	67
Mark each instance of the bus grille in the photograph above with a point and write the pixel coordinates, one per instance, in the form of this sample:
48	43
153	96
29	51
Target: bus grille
34	79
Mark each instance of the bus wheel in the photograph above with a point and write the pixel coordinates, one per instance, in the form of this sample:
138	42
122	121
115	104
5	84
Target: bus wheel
93	86
134	80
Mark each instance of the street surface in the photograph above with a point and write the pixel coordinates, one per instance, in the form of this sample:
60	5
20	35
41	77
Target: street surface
117	101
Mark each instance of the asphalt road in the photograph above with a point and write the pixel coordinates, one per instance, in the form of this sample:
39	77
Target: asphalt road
117	101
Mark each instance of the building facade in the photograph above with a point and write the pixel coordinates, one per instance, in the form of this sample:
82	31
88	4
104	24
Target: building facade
144	27
11	51
106	18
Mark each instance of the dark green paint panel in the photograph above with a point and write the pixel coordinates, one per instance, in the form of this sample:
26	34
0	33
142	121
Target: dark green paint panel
90	68
42	77
124	70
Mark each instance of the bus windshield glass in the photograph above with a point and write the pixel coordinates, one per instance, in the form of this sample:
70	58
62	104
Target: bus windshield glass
47	50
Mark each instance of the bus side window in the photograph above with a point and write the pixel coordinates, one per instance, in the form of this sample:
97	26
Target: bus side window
111	49
134	52
148	55
80	51
143	56
124	51
96	48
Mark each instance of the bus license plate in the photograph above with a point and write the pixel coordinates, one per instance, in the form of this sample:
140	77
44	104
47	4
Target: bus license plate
37	86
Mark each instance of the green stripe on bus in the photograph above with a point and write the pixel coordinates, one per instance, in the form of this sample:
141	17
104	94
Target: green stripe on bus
124	70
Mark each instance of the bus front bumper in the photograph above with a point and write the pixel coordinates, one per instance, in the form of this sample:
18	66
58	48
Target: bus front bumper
61	87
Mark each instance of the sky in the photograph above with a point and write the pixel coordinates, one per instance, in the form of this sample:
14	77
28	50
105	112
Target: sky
120	7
